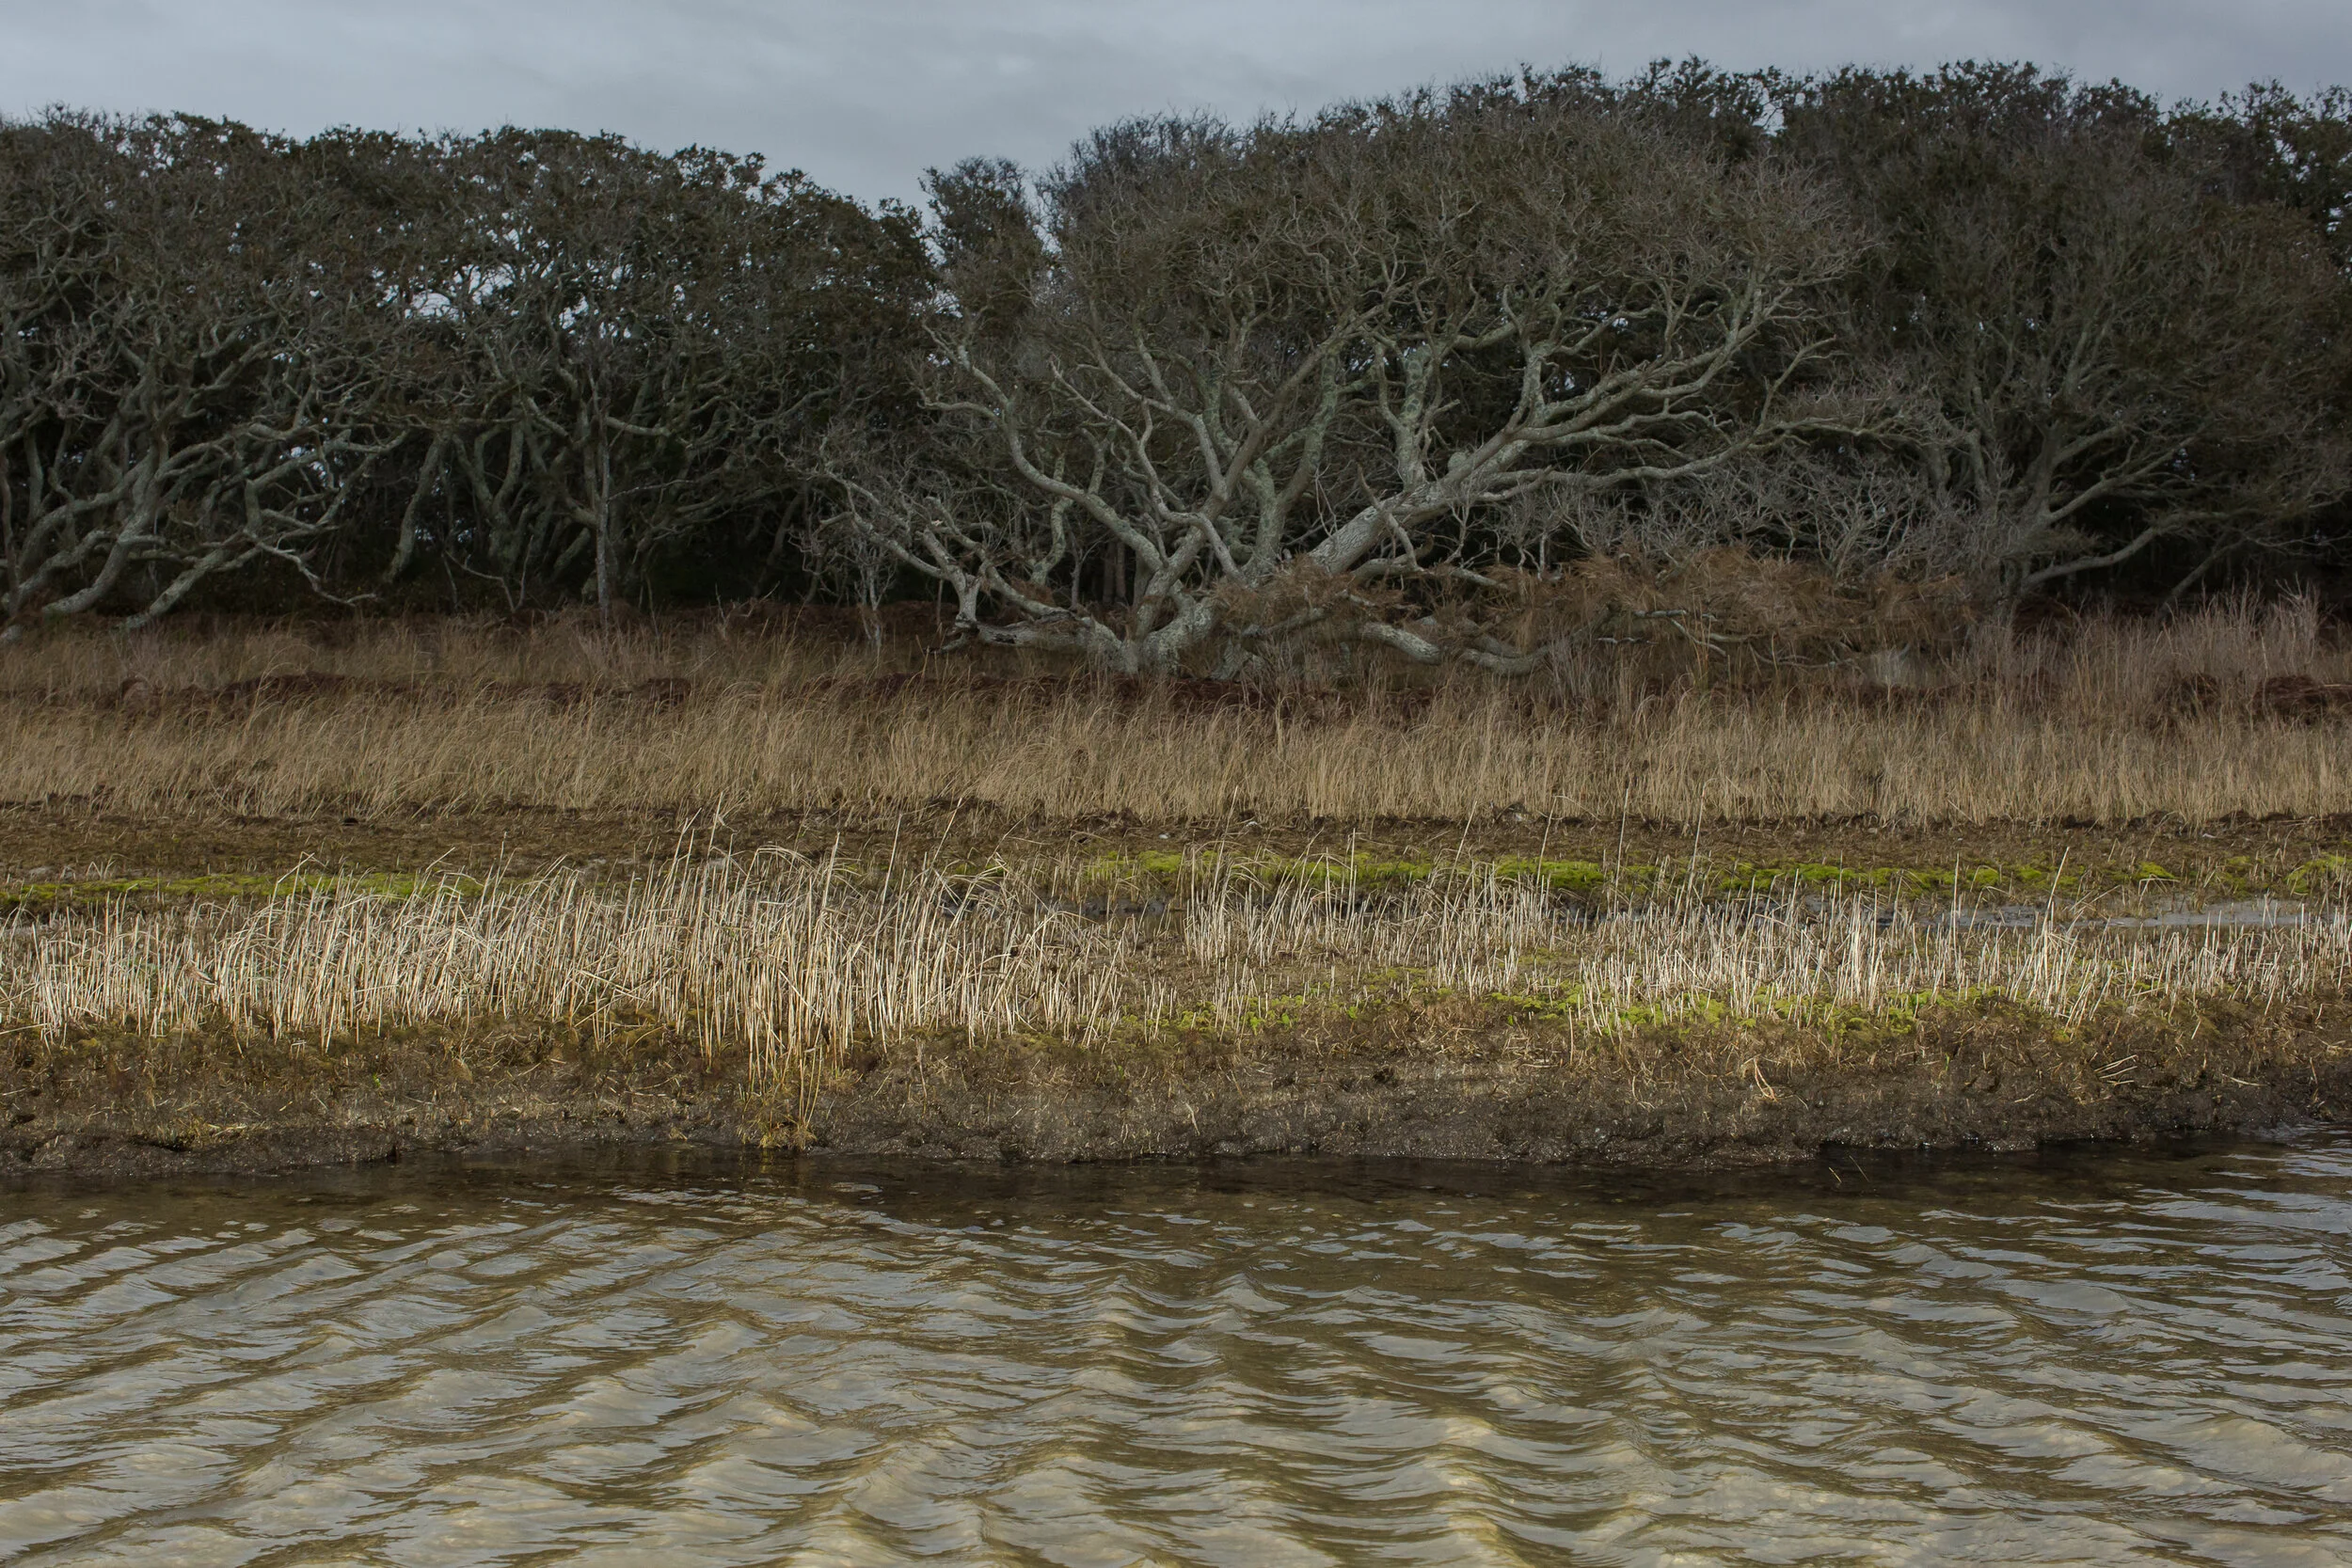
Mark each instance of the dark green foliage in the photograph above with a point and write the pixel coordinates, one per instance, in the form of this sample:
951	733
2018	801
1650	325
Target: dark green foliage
2108	326
524	367
1985	323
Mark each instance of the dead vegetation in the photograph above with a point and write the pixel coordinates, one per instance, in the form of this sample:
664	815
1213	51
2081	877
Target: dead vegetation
1025	908
788	1003
2227	713
792	964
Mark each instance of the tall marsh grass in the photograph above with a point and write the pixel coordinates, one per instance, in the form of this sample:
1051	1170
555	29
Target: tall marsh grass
774	958
784	961
2106	721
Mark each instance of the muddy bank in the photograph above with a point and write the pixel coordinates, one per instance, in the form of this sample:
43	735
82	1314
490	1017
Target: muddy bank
1978	1082
85	838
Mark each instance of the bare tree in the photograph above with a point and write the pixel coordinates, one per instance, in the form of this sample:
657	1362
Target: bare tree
1289	374
1853	515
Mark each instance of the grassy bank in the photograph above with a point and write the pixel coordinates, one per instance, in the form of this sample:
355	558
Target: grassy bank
424	881
785	992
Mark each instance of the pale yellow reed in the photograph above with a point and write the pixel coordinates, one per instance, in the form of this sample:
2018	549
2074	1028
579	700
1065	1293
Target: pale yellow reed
784	958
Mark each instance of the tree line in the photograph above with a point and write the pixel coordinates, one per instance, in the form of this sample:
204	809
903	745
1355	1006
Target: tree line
1384	374
514	369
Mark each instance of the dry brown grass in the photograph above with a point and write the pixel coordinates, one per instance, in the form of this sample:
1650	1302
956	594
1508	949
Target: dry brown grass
1129	956
771	962
787	963
2108	721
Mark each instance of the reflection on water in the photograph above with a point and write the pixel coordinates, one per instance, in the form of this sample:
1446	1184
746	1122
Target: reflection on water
2119	1359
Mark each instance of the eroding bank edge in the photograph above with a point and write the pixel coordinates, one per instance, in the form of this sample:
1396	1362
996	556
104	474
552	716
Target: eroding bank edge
1981	1079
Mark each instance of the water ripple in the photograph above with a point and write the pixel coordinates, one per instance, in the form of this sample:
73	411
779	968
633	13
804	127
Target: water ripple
2133	1359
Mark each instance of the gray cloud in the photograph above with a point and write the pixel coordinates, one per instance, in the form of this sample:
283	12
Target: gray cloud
864	94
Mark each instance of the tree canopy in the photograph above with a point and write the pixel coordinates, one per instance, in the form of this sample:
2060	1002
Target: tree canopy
1373	374
533	365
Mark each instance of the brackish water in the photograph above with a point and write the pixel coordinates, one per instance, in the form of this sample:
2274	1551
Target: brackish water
2115	1357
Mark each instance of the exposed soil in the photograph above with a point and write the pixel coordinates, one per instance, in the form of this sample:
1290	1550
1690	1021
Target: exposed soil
90	839
1416	1084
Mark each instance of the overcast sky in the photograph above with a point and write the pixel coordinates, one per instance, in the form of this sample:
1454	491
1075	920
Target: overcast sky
864	94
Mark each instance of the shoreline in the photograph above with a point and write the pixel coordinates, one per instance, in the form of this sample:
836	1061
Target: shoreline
1294	1106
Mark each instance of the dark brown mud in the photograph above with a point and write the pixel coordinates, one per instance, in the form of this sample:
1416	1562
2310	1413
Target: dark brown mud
1671	1109
81	839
